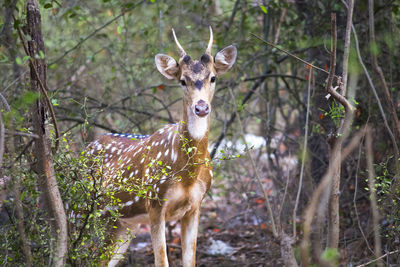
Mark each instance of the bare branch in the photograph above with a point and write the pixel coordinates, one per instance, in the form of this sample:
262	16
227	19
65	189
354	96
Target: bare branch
381	257
94	33
267	202
290	54
303	159
378	69
372	193
346	51
371	84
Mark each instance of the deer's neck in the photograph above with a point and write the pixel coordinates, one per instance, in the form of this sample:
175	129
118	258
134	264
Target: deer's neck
193	145
197	127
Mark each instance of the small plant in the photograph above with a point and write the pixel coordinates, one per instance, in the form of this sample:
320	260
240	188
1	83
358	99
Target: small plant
335	112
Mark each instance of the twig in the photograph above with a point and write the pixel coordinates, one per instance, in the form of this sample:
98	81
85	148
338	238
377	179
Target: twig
332	67
20	154
346	51
378	69
325	183
235	7
290	54
2	133
233	115
94	33
381	257
372	189
5	103
82	121
278	30
304	154
355	198
26	248
31	135
267	203
371	84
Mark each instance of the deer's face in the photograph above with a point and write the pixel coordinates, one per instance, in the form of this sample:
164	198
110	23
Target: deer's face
197	79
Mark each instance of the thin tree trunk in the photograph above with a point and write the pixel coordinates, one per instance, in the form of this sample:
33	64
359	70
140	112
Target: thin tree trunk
42	149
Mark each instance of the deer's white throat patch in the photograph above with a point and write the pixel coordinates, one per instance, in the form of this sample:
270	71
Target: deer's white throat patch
197	126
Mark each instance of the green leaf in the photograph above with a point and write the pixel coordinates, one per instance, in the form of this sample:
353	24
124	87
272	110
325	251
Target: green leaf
25	58
264	9
48	5
331	255
119	29
30	97
18	60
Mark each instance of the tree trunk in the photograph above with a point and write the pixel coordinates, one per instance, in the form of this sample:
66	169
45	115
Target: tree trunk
42	149
316	27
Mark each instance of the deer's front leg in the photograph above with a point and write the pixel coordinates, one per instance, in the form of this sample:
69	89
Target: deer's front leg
157	225
189	227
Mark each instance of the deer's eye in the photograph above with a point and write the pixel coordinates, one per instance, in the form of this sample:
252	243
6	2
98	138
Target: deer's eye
213	79
183	82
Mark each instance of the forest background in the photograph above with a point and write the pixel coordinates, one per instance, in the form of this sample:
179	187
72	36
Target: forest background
304	132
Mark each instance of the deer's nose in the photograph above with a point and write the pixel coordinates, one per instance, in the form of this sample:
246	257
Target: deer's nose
201	108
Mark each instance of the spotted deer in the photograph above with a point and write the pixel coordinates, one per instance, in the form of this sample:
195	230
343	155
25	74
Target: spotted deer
172	163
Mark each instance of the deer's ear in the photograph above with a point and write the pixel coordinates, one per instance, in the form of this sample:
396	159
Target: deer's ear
167	66
225	59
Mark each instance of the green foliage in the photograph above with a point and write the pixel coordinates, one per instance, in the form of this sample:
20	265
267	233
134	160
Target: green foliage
89	205
383	185
335	112
331	255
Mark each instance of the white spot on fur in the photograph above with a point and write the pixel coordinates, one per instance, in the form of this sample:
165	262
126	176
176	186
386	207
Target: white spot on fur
172	155
130	202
